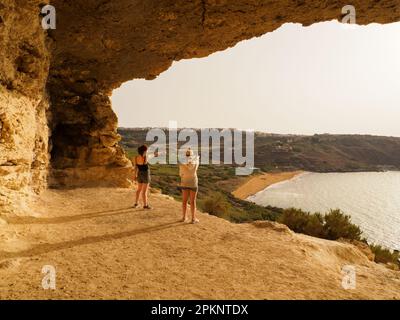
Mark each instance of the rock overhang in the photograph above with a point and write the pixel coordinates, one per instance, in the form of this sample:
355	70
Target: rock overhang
63	78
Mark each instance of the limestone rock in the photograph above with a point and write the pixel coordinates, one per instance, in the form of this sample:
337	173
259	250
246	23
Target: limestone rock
363	247
273	226
55	85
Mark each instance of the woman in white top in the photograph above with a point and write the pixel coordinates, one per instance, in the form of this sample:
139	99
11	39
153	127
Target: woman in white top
189	184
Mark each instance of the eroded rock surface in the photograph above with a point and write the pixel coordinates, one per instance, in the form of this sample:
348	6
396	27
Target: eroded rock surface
96	47
23	104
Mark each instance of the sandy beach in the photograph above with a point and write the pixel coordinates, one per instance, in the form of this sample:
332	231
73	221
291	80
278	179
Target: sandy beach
260	182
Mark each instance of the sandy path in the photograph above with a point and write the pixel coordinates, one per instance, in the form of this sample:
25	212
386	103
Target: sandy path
260	182
101	248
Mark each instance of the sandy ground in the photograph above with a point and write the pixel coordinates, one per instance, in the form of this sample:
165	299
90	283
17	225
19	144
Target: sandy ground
262	181
102	248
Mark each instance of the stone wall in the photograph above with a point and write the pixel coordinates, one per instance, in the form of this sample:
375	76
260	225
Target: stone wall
85	149
98	45
24	64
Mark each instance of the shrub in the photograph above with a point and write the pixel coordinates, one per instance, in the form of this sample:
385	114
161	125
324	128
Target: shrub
295	219
238	216
383	255
303	222
332	226
315	226
216	204
338	225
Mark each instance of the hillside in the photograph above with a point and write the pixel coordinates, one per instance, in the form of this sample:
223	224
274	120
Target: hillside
318	153
102	248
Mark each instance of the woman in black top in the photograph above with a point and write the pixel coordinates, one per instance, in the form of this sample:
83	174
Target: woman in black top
142	175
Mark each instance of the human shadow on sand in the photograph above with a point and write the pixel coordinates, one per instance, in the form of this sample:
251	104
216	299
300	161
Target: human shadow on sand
51	247
65	219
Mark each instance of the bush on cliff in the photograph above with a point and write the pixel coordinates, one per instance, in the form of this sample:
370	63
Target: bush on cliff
338	225
383	255
216	204
333	225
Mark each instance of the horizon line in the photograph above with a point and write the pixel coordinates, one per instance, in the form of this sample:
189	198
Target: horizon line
267	132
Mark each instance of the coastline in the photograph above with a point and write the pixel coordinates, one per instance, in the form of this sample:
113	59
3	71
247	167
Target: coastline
261	182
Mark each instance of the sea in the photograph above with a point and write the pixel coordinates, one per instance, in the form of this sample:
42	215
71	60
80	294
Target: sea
372	199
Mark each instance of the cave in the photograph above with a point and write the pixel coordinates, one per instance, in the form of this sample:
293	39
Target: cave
57	126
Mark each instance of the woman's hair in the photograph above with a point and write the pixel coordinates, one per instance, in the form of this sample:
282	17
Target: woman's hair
142	149
189	153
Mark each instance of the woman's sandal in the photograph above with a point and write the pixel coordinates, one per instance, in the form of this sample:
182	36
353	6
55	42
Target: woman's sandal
147	207
195	221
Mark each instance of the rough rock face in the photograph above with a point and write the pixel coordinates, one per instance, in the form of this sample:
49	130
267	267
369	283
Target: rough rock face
23	103
96	47
85	148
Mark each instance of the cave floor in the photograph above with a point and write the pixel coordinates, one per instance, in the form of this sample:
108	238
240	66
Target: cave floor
102	248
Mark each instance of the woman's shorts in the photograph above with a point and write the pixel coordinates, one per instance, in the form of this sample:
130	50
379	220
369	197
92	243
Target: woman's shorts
143	177
188	188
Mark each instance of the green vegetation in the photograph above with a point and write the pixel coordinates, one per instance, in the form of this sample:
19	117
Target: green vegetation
224	205
332	225
131	153
216	205
303	222
338	225
383	255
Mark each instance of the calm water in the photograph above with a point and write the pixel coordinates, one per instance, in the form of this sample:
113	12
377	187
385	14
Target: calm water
372	199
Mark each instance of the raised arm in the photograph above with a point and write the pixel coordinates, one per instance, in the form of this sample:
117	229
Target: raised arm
135	168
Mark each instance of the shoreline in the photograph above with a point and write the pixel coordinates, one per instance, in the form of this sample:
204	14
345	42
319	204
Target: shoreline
260	182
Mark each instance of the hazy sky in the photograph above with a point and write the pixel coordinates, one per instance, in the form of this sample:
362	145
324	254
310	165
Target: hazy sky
327	78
